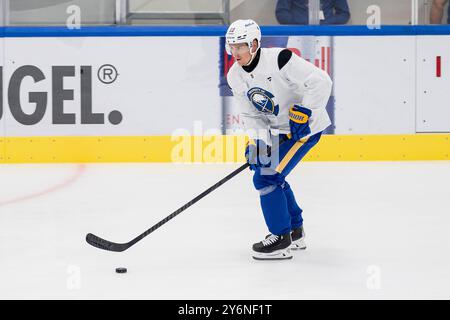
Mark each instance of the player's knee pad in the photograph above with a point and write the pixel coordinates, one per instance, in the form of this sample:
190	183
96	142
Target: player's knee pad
266	190
266	180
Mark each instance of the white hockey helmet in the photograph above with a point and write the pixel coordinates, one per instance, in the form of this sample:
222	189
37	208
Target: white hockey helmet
242	31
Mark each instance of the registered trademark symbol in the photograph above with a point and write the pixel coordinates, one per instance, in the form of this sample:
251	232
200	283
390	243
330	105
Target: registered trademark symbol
107	74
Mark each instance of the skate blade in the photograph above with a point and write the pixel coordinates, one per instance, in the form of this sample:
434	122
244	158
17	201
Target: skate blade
298	245
278	255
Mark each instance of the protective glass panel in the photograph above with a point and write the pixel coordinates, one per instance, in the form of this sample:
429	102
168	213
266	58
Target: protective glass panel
176	12
436	12
340	12
61	12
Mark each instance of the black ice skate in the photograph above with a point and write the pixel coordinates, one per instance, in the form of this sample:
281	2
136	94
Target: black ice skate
273	248
298	239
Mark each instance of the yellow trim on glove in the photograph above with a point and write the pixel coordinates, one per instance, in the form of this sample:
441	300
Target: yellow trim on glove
298	116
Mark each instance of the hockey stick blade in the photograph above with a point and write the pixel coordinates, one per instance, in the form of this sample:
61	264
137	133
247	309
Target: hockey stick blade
100	243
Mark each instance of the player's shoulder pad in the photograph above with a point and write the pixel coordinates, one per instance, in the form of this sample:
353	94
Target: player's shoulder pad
283	58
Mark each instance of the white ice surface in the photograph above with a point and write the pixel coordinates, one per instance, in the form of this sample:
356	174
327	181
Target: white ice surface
374	231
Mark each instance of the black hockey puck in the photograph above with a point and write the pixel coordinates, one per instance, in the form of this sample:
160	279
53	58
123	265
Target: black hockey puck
121	270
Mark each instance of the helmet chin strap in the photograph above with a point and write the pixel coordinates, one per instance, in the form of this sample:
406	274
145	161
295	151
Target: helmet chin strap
253	55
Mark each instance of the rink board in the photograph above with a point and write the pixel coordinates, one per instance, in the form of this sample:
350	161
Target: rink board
122	94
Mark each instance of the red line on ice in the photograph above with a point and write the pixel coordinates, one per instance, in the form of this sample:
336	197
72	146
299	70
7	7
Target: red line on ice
66	182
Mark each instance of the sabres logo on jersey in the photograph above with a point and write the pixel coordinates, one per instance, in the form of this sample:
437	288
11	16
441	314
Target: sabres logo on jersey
262	100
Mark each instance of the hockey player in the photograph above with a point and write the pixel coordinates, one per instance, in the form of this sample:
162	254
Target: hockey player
281	97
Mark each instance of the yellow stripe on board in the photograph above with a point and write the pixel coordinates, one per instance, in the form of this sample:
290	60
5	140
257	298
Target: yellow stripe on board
381	148
122	149
215	149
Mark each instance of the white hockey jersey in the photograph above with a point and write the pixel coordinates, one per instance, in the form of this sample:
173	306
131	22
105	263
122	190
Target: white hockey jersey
266	94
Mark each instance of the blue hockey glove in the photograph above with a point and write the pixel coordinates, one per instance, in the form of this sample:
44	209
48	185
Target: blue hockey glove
257	154
299	121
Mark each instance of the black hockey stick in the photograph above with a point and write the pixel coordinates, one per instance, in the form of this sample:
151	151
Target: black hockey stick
119	247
